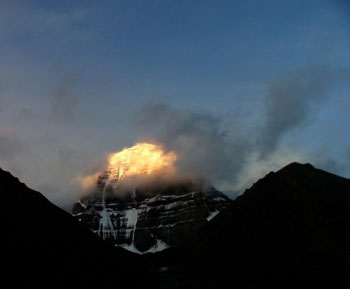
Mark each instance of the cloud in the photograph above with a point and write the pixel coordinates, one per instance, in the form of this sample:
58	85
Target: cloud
204	146
292	101
9	143
57	171
1	95
233	156
18	20
326	160
65	97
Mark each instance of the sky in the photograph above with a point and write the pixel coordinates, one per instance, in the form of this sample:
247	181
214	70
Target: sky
236	88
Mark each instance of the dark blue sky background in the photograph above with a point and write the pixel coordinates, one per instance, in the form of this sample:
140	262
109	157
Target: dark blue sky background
264	82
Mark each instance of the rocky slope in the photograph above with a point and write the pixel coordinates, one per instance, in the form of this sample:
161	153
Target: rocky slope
149	219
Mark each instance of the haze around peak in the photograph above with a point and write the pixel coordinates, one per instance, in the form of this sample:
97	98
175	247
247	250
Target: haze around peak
235	89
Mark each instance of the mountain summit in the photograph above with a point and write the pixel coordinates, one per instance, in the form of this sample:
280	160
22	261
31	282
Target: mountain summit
291	225
141	203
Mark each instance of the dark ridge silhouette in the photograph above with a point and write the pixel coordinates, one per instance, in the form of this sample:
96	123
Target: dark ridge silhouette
45	246
290	227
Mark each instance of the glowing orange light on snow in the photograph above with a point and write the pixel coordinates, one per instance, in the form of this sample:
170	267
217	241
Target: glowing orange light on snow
140	159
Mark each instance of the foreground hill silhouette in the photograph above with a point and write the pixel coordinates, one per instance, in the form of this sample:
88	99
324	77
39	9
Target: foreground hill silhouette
44	245
291	227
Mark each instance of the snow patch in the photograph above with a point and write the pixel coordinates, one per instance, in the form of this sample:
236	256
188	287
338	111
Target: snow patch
131	217
174	205
106	229
212	215
130	248
159	246
219	199
159	197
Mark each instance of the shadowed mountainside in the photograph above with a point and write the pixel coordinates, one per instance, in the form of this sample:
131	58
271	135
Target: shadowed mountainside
44	245
290	227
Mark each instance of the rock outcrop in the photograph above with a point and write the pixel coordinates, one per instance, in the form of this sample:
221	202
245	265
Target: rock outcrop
149	219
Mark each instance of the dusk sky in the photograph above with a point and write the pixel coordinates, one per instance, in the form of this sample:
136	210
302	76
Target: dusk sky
236	88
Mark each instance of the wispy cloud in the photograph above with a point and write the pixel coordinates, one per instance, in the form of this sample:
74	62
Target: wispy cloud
66	97
214	149
22	22
9	143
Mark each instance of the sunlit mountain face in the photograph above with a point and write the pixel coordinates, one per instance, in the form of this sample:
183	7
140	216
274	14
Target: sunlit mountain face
135	166
140	202
141	159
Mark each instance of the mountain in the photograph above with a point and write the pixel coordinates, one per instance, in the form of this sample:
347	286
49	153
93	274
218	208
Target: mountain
290	227
149	218
43	245
289	230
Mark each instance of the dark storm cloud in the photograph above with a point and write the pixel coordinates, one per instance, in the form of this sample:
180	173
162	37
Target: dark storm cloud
65	97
